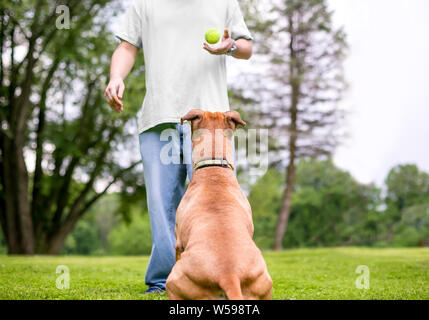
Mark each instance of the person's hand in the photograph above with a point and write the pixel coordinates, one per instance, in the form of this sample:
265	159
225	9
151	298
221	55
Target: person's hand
114	92
225	46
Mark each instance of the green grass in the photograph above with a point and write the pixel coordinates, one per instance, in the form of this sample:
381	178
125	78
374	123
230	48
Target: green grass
297	274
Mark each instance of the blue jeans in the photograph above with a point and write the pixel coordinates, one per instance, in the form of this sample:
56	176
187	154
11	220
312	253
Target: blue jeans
165	187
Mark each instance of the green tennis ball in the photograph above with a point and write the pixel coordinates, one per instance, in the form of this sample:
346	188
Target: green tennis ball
212	36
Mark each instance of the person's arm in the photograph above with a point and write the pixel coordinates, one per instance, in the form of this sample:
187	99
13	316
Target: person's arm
244	47
122	62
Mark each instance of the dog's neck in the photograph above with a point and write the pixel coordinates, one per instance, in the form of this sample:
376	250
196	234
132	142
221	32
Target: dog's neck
212	144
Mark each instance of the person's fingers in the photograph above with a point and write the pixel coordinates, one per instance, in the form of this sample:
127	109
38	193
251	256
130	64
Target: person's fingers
210	49
213	51
121	90
218	50
116	107
119	98
113	93
115	96
228	46
225	34
112	104
108	96
111	101
207	47
222	49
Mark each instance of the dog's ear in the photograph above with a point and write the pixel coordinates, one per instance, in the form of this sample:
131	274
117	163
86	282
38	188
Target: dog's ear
235	117
192	115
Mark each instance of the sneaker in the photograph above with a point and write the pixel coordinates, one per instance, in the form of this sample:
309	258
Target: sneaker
155	290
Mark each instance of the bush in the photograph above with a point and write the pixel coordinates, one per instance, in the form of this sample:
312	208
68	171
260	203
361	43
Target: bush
265	199
329	207
83	240
105	230
413	230
131	238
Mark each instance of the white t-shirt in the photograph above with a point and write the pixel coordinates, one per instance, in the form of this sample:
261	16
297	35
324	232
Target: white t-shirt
180	74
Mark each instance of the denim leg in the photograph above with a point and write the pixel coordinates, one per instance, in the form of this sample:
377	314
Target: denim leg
165	187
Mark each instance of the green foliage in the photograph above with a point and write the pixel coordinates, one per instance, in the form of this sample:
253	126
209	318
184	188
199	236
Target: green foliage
265	199
327	205
80	146
133	238
406	201
131	198
407	186
84	239
104	231
330	208
413	229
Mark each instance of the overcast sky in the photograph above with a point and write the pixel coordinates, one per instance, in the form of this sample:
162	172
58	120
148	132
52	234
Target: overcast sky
388	73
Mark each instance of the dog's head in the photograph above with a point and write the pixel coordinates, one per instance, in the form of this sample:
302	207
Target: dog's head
218	120
212	133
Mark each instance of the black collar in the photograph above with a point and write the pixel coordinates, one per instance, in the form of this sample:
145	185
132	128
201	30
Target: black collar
223	163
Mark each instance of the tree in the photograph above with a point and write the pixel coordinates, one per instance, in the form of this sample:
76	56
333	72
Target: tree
407	186
413	229
84	239
329	207
54	117
265	198
407	189
131	238
303	83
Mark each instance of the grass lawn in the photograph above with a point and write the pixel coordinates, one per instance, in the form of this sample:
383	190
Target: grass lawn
297	274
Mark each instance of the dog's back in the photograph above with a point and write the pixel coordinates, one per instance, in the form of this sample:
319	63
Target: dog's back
214	242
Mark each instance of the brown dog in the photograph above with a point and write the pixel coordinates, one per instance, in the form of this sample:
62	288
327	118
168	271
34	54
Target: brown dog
215	253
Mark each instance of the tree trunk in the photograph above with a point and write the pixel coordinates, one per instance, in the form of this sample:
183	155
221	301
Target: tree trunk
290	180
19	223
54	244
294	81
18	220
284	213
58	236
9	220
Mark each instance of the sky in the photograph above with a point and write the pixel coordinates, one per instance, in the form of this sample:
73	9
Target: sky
388	73
387	70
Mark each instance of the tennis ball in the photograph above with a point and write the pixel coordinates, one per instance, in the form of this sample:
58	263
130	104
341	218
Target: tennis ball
212	36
